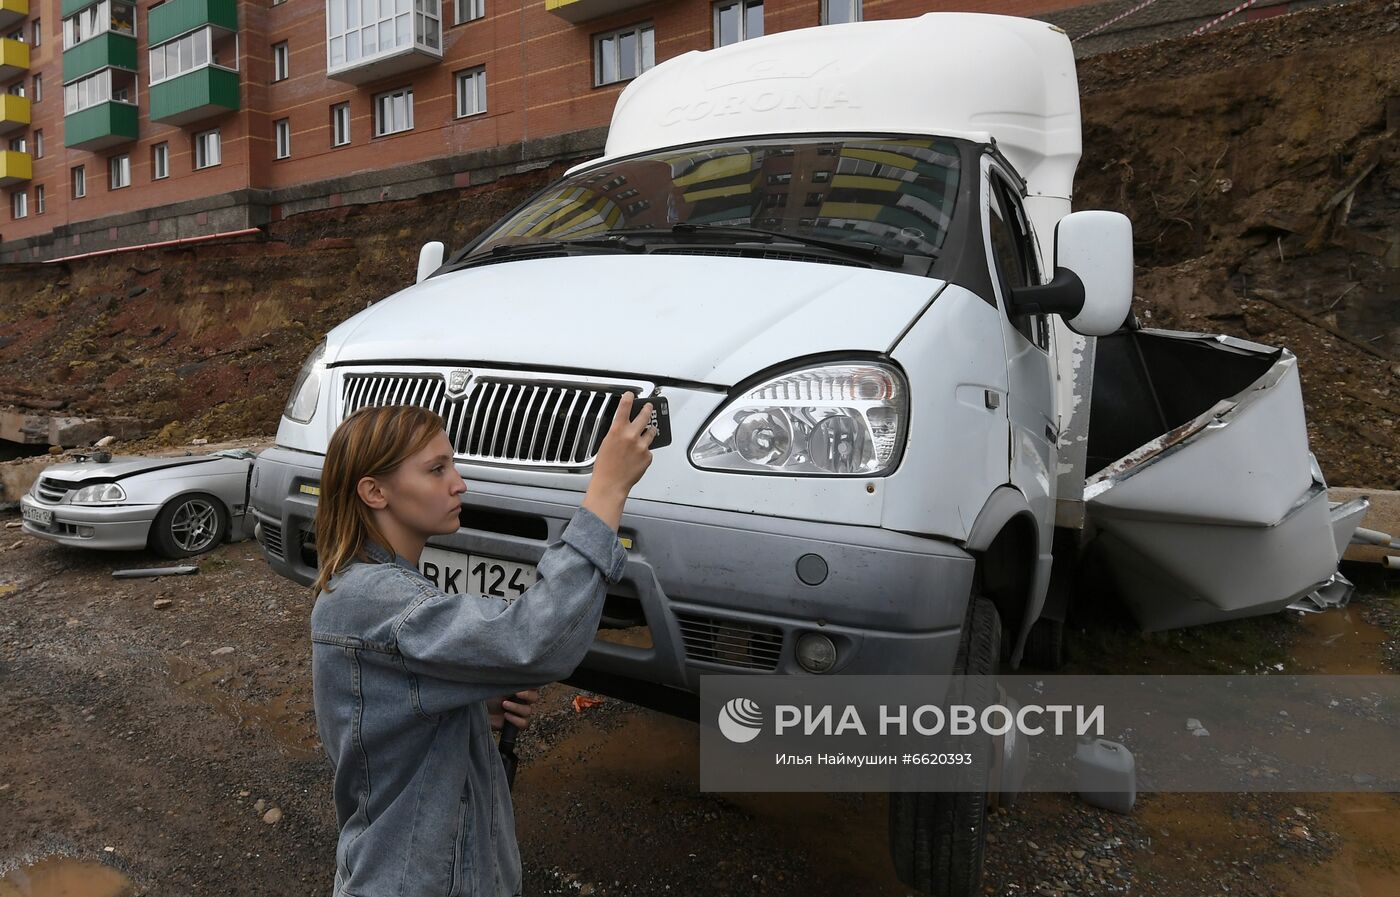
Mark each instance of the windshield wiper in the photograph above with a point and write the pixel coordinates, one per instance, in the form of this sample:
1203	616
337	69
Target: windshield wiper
620	242
860	248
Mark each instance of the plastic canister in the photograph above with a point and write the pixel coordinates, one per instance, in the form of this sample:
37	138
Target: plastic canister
1106	774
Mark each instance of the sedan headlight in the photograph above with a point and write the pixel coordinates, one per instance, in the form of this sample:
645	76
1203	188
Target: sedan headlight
307	389
833	419
102	492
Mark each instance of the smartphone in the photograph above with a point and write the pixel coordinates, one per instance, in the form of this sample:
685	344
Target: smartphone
660	418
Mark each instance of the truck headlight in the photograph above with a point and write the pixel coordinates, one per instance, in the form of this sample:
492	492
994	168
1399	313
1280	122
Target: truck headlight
832	419
307	389
102	492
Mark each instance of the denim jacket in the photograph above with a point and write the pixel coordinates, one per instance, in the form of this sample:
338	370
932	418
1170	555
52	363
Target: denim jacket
401	672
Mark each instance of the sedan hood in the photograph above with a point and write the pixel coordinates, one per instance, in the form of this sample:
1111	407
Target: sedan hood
704	319
120	467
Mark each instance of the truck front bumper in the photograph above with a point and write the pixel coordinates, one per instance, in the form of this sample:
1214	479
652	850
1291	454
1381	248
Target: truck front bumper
704	591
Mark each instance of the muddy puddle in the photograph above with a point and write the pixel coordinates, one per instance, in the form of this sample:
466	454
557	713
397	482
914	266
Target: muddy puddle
1339	642
64	877
288	719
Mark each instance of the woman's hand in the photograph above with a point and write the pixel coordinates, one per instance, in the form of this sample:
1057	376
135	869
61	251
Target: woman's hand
622	458
514	709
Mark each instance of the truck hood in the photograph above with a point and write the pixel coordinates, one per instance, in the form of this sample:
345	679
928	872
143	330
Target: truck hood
699	318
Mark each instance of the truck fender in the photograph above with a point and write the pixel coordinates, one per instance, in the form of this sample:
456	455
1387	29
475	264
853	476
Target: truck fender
1006	534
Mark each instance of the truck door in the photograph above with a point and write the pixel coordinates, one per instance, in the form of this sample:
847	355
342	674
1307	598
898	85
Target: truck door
1030	368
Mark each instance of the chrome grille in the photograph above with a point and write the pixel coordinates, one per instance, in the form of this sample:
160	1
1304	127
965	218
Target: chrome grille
501	419
53	491
751	646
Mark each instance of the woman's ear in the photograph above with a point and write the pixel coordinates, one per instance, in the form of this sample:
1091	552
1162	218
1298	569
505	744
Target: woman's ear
371	493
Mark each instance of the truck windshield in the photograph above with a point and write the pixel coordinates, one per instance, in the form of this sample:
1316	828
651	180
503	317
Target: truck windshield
890	193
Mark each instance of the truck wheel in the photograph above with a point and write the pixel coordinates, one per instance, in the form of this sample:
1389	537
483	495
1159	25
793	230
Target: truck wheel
189	525
937	838
1045	645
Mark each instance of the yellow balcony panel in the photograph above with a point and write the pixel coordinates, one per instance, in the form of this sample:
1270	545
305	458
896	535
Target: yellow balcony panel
14	58
14	113
15	168
582	10
11	11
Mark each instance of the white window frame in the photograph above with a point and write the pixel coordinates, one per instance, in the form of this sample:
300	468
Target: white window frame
77	181
119	171
190	52
38	143
340	124
474	9
90	21
94	90
281	61
471	82
38	88
854	7
380	107
282	138
644	57
743	18
39	199
160	161
38	38
19	204
19	144
361	31
203	142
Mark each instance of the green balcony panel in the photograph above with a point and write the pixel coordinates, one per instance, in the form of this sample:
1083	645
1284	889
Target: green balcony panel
176	17
109	48
11	11
194	96
101	126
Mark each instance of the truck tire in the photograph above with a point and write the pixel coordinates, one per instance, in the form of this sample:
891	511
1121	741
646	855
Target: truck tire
937	838
189	524
1045	645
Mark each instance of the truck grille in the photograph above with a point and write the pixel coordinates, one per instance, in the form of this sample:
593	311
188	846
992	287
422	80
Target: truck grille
272	539
53	491
730	642
501	419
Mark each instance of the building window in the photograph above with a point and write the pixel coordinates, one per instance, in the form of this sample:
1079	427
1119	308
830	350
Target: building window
105	86
340	124
39	144
160	161
837	12
119	169
468	10
393	111
19	204
79	182
38	88
38	33
358	30
16	89
280	58
471	91
623	54
38	199
206	148
105	15
18	145
192	51
737	20
282	133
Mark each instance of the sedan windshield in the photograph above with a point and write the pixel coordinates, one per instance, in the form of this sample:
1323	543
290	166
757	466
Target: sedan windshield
889	193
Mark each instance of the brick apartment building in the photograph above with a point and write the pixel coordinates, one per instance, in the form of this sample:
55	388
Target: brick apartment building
123	123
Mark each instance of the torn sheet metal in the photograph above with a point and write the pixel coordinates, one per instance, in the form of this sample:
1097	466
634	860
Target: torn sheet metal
1223	513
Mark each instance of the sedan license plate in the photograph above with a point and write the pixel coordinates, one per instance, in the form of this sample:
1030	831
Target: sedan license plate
459	573
41	516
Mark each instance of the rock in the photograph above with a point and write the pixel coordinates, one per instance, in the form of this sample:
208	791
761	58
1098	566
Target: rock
15	544
260	805
104	441
71	622
273	816
199	440
220	652
161	603
14	524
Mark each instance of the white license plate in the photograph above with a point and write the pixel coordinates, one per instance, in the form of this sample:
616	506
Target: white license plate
41	516
459	573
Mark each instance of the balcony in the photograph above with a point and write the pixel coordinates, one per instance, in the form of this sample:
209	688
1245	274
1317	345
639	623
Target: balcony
576	11
15	168
70	7
176	17
11	11
14	113
101	126
110	48
400	36
14	58
193	96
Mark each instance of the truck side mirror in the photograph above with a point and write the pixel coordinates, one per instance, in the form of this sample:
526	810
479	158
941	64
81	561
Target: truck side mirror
429	259
1097	248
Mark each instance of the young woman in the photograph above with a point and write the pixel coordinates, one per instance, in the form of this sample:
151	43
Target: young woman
407	678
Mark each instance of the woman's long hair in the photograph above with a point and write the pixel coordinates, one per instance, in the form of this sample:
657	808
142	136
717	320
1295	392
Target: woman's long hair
372	442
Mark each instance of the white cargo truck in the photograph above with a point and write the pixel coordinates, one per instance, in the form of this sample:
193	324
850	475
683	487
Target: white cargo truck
903	380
